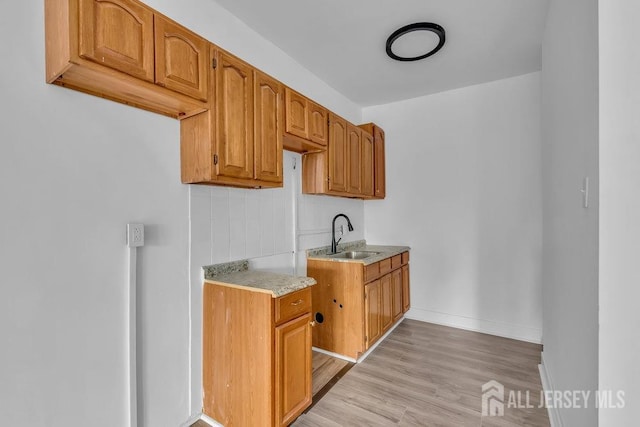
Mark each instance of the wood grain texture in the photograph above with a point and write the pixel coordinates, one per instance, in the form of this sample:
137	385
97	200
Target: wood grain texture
431	375
293	369
234	120
318	124
339	296
354	159
238	356
268	132
368	164
406	295
181	58
380	186
337	149
297	114
325	368
118	34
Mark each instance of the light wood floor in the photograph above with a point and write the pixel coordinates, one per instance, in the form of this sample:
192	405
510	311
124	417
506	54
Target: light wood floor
430	375
324	369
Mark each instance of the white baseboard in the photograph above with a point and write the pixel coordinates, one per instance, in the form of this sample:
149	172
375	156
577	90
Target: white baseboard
547	385
506	330
373	347
336	355
201	417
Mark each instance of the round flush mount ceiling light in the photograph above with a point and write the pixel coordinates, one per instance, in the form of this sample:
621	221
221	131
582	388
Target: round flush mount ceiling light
414	37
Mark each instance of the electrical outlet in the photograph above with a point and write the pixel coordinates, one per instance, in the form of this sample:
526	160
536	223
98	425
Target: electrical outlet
135	235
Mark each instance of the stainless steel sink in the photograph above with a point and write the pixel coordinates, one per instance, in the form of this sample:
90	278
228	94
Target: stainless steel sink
354	255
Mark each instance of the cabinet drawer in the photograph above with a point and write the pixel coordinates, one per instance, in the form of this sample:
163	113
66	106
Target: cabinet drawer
385	266
371	272
292	305
396	262
405	258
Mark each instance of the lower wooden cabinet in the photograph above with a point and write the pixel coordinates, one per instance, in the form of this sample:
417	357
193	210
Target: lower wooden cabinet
358	303
372	315
256	356
293	365
406	298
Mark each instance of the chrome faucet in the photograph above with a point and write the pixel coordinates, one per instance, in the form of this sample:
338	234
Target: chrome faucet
334	244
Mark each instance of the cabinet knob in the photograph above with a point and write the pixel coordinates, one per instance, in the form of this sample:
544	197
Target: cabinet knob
312	323
298	302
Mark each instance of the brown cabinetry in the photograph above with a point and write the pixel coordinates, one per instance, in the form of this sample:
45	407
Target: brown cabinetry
406	297
239	142
367	164
306	123
358	302
372	314
349	165
108	48
181	58
379	172
256	356
354	160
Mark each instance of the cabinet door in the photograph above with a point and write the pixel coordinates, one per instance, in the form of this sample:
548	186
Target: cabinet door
293	369
268	134
337	153
372	315
379	175
297	117
396	282
367	164
387	301
118	34
234	103
406	302
182	59
318	124
354	160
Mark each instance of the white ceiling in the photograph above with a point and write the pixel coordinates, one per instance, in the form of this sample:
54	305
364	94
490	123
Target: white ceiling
343	41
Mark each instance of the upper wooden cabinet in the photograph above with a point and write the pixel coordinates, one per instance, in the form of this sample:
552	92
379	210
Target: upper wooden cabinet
268	131
349	165
354	159
118	34
318	123
108	48
337	153
367	164
182	59
239	142
234	107
379	175
306	126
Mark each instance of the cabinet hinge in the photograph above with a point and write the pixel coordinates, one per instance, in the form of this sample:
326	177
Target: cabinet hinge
214	63
215	159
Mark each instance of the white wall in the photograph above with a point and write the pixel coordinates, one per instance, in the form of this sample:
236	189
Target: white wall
463	190
75	169
570	236
619	232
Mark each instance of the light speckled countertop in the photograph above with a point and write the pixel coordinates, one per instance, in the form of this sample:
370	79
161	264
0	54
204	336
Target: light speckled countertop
360	245
237	274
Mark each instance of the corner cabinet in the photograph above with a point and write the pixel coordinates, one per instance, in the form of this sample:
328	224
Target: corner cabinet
256	356
115	49
349	165
238	142
359	303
